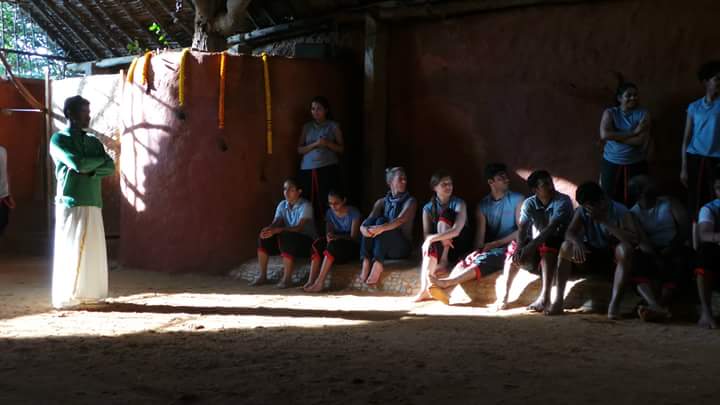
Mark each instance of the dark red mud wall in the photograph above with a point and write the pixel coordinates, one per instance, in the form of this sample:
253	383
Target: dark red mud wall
195	196
528	87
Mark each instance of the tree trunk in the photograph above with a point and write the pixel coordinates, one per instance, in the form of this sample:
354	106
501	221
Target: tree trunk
215	20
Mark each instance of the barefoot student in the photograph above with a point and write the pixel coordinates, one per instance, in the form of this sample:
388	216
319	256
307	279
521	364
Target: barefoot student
625	132
544	217
701	141
320	145
290	234
708	255
80	274
497	223
340	244
387	232
599	241
661	257
446	235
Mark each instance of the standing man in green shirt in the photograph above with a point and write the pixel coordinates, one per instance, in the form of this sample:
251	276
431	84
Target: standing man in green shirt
80	274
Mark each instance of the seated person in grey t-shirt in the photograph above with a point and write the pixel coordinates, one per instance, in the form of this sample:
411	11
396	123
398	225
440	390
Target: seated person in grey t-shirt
544	217
290	234
598	239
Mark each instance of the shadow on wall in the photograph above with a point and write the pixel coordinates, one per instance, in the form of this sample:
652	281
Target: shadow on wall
195	195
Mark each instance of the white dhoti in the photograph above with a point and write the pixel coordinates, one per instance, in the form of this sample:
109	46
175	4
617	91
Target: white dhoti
80	273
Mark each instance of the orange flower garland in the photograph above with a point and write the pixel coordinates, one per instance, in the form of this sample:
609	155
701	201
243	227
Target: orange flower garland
181	79
221	98
268	104
131	70
146	68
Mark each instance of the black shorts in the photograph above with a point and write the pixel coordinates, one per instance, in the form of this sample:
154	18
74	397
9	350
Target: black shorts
287	244
4	217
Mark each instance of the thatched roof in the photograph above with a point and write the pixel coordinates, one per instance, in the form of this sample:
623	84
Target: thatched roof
98	29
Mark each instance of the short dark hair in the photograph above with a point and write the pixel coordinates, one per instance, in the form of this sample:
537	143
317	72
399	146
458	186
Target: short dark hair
73	104
338	193
708	70
536	176
589	192
323	101
493	169
293	182
623	87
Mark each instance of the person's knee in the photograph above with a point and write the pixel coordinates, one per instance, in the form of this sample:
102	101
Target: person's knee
623	252
566	250
443	225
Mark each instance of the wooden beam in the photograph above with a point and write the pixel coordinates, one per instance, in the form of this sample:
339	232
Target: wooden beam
51	11
156	19
51	28
109	21
425	9
375	108
99	29
138	26
101	25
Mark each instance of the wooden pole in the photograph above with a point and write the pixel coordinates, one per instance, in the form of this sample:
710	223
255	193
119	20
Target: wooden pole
47	166
375	109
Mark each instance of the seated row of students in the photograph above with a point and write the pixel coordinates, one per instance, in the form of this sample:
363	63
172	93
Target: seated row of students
646	245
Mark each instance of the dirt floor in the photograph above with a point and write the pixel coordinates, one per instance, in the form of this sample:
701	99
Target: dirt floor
200	339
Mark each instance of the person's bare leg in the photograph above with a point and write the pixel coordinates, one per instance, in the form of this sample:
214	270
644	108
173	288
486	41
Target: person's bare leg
653	311
365	271
564	267
704	285
543	299
510	270
319	283
623	259
443	260
375	272
459	274
314	270
262	263
427	267
288	267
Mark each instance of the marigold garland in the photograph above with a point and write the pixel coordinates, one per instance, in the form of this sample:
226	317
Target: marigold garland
181	74
131	70
146	67
268	104
221	98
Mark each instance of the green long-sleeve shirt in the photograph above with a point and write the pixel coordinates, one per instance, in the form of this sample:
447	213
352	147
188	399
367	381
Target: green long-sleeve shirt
80	164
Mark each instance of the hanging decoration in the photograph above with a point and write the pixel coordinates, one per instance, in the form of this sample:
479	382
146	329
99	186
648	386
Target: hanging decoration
131	70
221	97
268	104
146	67
182	78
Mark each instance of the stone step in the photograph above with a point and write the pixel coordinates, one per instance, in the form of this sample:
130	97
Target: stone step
401	277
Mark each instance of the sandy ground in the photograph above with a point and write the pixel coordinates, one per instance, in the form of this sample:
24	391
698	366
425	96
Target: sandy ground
200	339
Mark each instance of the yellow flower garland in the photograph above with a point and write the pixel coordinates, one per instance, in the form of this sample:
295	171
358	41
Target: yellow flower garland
268	104
146	67
221	98
131	70
181	78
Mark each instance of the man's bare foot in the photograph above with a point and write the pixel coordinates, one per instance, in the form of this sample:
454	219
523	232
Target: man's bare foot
707	321
556	308
614	312
315	288
500	305
537	306
260	280
439	294
309	284
422	296
438	281
374	277
652	314
283	283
